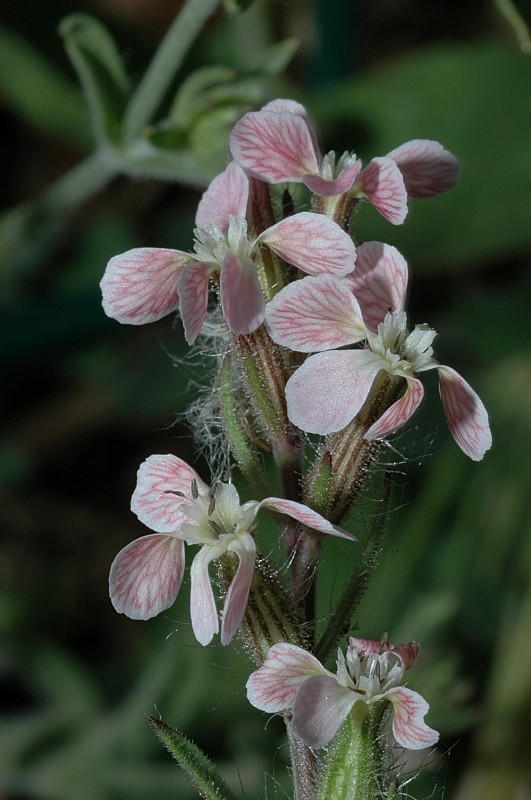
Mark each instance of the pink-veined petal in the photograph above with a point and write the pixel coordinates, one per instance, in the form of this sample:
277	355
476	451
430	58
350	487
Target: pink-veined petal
193	293
409	728
140	286
282	105
313	242
320	708
241	295
408	652
273	686
157	500
330	188
146	576
379	281
274	147
399	413
330	388
203	612
305	515
238	591
226	196
428	169
383	186
315	313
465	414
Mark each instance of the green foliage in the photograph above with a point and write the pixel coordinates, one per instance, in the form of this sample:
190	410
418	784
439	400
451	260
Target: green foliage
39	94
199	769
100	70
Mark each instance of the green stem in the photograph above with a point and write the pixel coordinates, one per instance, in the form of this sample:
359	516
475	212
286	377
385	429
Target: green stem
165	63
80	183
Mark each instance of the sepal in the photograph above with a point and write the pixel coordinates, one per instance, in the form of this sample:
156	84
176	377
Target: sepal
199	768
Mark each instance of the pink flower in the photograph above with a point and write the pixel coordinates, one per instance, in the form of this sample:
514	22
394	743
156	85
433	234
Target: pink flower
320	701
145	284
279	144
330	388
172	500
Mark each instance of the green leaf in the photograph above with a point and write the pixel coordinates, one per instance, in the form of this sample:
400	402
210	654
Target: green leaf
200	770
39	94
100	69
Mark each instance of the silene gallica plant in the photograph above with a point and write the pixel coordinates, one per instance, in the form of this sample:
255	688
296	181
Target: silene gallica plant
317	366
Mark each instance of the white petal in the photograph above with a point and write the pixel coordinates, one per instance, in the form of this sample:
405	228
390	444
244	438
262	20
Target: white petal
379	281
274	147
193	292
274	685
314	314
399	413
320	708
140	286
305	515
409	728
465	413
383	186
203	612
146	576
313	242
329	389
242	298
427	167
157	500
226	196
238	591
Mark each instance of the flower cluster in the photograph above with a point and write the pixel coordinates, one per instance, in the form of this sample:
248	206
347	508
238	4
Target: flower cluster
316	340
172	500
370	673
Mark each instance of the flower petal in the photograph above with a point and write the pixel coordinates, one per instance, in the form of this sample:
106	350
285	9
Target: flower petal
329	389
242	298
225	196
193	292
203	612
273	686
157	500
146	576
140	286
427	168
408	652
305	515
465	413
383	186
313	242
320	708
379	281
409	728
273	146
238	591
315	313
330	188
399	413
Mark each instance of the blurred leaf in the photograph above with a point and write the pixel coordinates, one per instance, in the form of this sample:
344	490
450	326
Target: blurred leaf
100	69
39	94
475	99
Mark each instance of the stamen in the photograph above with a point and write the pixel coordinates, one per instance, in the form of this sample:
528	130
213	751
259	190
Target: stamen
195	490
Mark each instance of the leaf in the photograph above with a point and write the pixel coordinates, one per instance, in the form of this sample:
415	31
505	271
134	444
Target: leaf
200	770
97	62
39	94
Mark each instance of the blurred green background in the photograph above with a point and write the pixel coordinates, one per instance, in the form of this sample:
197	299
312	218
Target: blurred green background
85	400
